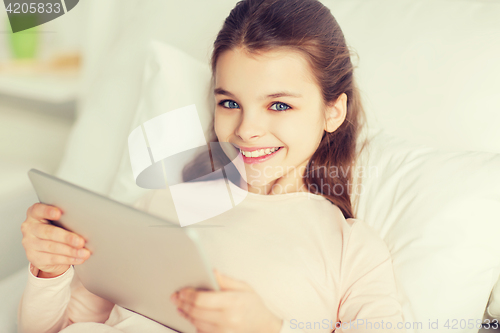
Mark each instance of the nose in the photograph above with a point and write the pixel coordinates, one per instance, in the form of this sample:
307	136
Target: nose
251	126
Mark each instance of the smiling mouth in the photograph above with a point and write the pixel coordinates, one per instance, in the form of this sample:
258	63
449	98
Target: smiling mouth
259	153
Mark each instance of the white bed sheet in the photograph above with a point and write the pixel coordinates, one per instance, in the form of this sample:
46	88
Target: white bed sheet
11	290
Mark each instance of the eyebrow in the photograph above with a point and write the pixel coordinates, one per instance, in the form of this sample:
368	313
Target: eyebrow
220	91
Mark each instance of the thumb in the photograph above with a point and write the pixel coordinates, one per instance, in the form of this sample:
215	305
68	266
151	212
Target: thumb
227	283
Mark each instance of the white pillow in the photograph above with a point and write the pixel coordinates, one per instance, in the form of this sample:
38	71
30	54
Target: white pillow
428	69
172	79
11	290
437	211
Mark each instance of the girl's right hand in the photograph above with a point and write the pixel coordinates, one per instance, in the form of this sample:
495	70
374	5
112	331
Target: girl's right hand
49	248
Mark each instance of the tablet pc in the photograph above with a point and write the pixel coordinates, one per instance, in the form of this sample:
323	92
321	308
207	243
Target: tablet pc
138	260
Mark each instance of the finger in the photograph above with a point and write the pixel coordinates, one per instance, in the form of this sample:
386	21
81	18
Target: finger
206	327
50	259
53	233
206	299
227	283
41	211
201	314
60	249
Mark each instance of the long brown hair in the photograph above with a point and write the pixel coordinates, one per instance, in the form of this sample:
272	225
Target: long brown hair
308	27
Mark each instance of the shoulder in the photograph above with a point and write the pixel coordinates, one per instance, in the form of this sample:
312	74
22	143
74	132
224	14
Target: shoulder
209	181
368	286
157	202
316	213
363	241
360	243
205	195
364	254
143	202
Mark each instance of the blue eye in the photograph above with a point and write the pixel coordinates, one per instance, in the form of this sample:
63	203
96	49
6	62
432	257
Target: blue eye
282	106
229	101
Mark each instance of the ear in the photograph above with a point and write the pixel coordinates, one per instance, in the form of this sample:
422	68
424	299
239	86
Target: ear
336	113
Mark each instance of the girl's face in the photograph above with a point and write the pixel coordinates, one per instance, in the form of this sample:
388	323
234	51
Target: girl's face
271	101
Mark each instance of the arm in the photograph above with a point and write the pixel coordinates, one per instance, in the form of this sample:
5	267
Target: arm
369	295
43	304
51	304
367	291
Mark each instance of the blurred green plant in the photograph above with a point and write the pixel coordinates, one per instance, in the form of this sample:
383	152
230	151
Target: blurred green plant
24	44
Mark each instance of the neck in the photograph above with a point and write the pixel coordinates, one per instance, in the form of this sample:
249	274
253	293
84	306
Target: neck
288	183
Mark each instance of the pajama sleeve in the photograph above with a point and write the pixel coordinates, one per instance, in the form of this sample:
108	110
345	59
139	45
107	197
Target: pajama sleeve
369	295
50	304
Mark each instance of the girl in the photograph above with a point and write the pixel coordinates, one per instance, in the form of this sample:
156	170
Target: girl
293	256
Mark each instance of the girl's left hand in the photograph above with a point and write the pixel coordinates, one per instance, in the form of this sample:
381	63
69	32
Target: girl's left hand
235	309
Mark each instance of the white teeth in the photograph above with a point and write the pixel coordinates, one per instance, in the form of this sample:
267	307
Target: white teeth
258	153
